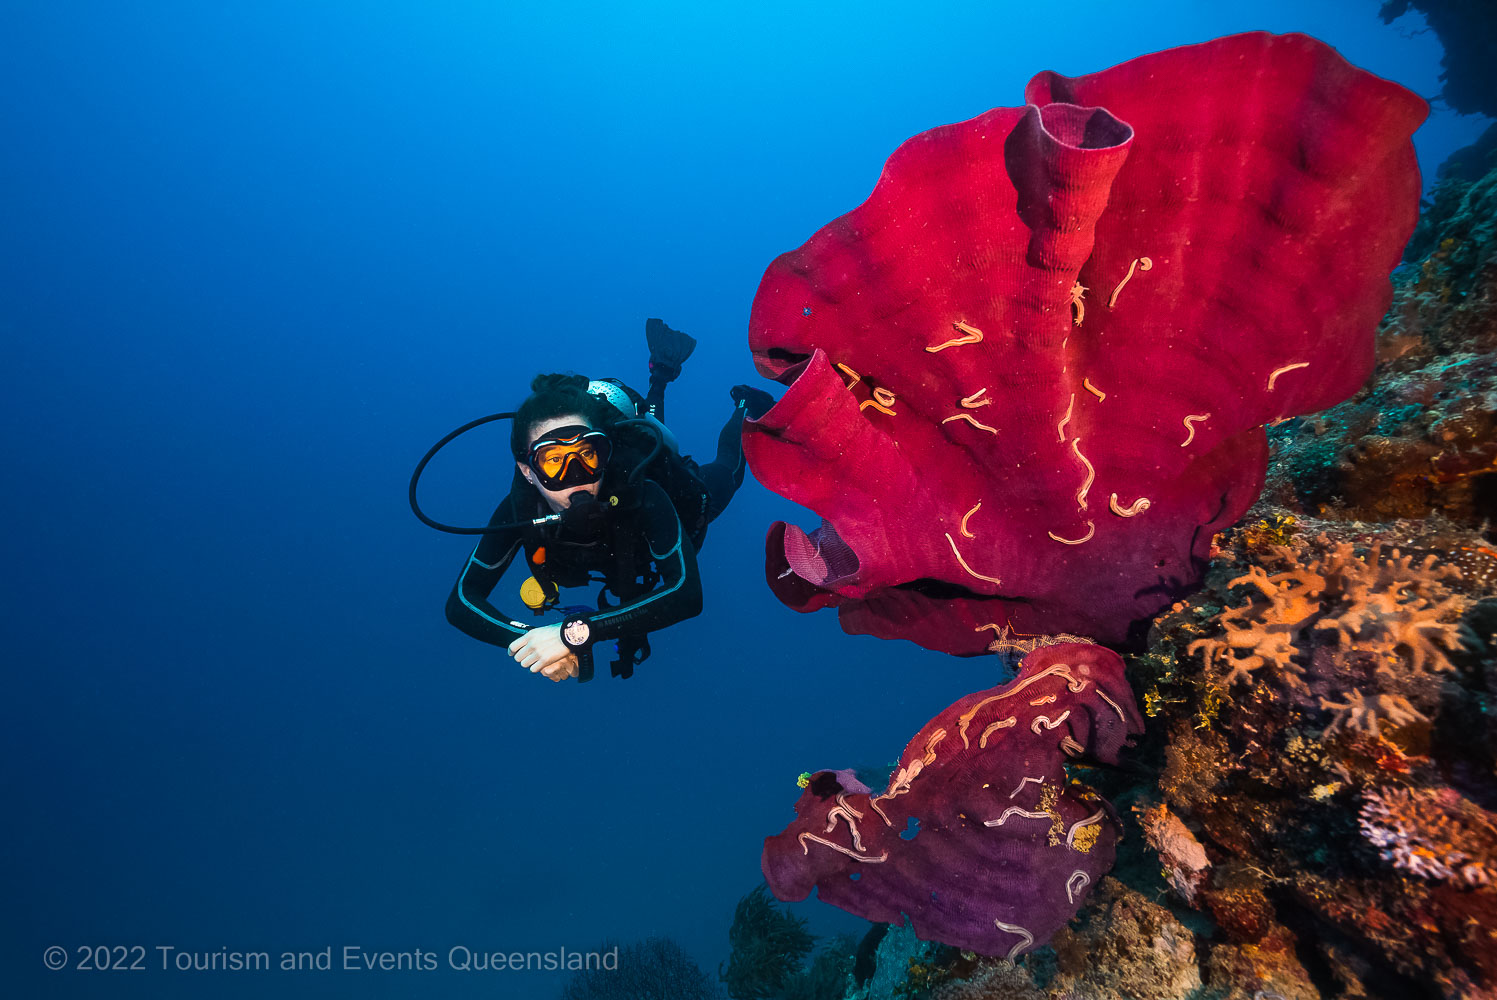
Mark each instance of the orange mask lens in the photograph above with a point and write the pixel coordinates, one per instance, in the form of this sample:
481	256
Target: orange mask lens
573	460
552	459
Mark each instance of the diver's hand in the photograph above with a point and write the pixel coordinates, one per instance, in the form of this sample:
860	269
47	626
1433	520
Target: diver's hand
539	648
562	669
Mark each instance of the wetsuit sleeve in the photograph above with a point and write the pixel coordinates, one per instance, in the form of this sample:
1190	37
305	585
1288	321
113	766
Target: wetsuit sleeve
468	606
678	596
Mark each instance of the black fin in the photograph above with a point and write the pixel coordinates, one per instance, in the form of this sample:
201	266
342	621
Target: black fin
669	350
755	401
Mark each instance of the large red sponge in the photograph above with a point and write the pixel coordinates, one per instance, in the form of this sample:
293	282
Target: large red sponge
1028	377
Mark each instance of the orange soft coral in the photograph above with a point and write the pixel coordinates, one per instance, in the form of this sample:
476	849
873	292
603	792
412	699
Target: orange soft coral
1397	611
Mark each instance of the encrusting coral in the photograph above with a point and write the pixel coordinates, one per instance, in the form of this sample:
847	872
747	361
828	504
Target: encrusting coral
1186	866
1435	834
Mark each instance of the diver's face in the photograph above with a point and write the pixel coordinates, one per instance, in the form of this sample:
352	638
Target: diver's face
557	499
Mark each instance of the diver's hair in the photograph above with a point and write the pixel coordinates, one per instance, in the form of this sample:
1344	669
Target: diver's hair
554	396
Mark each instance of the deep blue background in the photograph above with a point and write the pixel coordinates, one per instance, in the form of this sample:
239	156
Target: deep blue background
252	262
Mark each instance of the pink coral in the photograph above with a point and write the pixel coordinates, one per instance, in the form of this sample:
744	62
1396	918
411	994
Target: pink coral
1435	834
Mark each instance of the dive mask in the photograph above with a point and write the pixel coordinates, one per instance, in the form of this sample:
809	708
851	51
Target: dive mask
570	456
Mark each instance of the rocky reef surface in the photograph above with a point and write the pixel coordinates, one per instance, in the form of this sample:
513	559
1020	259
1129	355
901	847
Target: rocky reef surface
1313	810
1467	30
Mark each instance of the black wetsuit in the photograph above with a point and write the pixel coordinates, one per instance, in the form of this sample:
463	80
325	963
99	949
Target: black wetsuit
662	555
648	544
724	474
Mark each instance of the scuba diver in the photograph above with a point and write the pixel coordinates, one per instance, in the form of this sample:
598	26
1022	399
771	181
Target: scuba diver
601	493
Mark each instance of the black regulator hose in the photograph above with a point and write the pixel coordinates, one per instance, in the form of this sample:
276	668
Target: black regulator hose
432	453
639	470
447	439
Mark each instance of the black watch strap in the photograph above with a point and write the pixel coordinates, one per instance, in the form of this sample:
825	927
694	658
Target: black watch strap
577	633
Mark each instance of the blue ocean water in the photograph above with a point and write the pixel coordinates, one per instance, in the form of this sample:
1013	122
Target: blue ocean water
255	259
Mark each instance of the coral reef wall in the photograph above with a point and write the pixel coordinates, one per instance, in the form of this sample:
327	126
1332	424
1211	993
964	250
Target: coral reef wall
1313	810
1468	33
1326	709
1422	436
